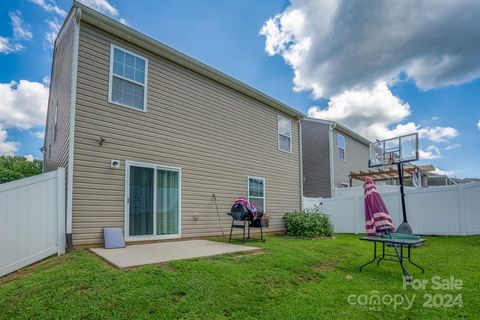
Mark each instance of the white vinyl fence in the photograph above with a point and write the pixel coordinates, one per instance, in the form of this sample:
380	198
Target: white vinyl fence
448	210
32	220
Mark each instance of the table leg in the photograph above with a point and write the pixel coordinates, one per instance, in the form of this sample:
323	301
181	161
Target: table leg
410	260
374	256
383	254
400	260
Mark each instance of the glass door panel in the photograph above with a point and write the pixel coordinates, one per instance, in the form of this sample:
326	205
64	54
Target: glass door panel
167	202
141	203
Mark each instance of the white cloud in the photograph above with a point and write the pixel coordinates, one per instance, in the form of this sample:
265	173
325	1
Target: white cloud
478	124
453	146
7	147
336	45
53	29
50	6
438	134
430	153
40	134
29	157
443	172
351	54
23	104
7	46
377	114
368	112
102	6
20	30
105	7
46	81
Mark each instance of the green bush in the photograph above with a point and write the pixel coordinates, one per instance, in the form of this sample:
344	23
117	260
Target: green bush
311	223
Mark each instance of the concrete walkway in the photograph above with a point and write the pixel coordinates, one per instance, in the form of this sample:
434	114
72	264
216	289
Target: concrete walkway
142	254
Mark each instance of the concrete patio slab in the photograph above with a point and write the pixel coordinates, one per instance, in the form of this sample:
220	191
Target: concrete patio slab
142	254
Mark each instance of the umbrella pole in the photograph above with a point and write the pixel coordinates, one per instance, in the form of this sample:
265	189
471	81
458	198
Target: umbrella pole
404	227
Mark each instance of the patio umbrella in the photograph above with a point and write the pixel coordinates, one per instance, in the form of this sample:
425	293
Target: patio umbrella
378	221
377	218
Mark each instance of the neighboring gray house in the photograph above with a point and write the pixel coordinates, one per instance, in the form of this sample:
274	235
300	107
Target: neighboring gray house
330	151
148	134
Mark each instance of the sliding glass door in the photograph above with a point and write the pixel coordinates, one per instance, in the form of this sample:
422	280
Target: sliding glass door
153	201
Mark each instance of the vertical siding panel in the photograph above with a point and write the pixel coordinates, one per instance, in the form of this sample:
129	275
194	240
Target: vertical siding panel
316	159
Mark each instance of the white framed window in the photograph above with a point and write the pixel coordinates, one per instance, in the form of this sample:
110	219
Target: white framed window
128	79
341	146
256	192
284	134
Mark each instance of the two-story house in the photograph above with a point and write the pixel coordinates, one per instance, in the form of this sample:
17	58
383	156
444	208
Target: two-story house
147	135
330	152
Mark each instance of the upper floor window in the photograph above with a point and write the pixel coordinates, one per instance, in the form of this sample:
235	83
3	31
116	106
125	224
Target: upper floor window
284	134
341	146
128	78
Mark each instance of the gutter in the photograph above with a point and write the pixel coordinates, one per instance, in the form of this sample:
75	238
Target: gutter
332	166
71	141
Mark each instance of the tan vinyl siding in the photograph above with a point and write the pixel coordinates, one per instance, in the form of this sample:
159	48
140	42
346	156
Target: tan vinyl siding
356	159
316	160
217	136
56	154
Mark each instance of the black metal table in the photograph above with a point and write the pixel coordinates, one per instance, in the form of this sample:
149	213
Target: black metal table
399	257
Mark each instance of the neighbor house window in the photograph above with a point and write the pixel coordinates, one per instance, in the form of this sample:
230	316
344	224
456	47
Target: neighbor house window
256	192
128	78
341	146
284	134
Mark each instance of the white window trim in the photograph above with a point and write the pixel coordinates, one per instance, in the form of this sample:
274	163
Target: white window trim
154	236
278	134
344	148
110	81
264	192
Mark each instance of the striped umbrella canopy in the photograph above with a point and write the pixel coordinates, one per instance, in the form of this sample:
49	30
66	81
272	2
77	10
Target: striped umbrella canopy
377	218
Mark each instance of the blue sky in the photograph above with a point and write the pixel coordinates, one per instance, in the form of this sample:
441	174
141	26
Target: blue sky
279	48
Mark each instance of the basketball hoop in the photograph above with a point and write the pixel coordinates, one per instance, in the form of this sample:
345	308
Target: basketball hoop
396	151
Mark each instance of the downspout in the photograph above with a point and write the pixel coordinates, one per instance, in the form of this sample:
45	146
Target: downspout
332	166
71	141
300	157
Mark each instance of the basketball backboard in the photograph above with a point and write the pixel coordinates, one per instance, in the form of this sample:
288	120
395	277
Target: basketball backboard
393	151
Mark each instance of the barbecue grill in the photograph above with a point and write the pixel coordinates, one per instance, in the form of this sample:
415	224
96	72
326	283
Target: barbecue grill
243	219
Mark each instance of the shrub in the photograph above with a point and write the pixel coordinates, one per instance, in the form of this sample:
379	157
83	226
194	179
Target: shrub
311	223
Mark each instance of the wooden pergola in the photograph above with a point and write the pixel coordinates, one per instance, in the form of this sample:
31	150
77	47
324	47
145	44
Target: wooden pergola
384	174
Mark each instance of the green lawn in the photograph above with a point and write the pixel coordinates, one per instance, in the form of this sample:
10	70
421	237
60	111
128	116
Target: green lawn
291	279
